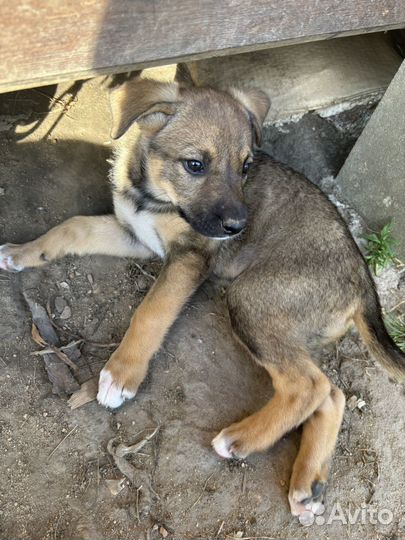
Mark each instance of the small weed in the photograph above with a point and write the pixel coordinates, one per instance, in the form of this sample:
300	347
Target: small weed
380	248
396	329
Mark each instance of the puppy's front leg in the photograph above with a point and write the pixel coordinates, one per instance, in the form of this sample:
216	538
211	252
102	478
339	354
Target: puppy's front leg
79	235
127	367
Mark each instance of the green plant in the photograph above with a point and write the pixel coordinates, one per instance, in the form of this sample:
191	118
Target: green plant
380	248
396	329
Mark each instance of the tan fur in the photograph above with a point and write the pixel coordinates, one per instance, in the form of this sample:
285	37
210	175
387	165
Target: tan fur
394	368
153	318
79	235
299	391
318	441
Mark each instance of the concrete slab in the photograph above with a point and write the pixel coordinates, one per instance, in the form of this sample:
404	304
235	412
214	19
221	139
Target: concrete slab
311	76
373	176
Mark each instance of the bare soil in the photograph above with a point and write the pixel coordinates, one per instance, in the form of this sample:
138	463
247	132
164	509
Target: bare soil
55	466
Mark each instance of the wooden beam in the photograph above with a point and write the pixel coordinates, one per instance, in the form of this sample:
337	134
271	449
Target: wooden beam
46	41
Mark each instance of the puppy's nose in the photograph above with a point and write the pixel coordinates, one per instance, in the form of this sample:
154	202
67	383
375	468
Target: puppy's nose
233	226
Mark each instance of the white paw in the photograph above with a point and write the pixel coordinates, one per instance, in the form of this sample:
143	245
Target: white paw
221	445
110	394
305	511
6	260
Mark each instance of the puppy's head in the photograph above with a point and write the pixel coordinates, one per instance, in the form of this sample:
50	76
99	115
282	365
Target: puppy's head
198	145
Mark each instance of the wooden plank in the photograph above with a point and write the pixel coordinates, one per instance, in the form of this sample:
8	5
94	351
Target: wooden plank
44	41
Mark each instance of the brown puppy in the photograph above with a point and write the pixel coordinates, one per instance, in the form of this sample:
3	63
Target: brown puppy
182	191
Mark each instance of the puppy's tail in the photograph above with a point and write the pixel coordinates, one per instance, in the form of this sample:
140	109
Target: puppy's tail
381	346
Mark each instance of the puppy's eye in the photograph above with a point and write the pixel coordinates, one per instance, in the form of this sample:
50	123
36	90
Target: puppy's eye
246	166
193	166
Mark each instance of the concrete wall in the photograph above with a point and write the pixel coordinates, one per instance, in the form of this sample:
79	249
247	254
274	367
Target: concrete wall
372	179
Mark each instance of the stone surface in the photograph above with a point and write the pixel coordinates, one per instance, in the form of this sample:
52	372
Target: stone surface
314	145
373	176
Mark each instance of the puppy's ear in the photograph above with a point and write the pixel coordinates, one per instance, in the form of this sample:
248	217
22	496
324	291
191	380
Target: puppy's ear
142	100
257	105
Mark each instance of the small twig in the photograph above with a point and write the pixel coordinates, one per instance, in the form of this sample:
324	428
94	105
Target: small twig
244	482
62	348
138	489
98	477
62	441
396	306
220	528
144	272
100	345
203	489
233	537
62	356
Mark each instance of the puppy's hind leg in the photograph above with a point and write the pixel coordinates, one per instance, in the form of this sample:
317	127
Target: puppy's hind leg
79	235
299	390
311	466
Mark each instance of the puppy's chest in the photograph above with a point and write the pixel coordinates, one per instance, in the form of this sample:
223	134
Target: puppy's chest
155	231
144	226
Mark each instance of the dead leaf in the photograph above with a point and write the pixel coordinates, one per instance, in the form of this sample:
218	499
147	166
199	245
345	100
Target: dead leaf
115	486
36	336
86	393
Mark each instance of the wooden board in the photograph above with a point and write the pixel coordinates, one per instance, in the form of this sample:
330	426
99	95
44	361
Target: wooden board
46	41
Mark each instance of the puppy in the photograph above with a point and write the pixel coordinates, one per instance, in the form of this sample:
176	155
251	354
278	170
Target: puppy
188	188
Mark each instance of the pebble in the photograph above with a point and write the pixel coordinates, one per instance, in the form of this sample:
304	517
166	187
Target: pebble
60	303
66	313
142	283
352	403
355	402
115	486
361	403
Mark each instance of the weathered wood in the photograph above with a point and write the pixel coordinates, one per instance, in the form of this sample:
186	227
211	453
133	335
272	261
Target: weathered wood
44	41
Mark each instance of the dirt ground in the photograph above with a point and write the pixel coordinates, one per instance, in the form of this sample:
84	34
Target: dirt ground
55	468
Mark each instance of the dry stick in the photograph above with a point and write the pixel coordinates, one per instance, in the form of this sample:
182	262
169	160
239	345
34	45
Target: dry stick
138	489
396	306
73	344
58	351
62	356
202	492
63	440
144	272
244	482
100	345
231	537
220	528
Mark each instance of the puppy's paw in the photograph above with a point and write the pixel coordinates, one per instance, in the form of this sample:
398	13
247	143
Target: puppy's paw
235	441
306	504
111	392
9	259
222	446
